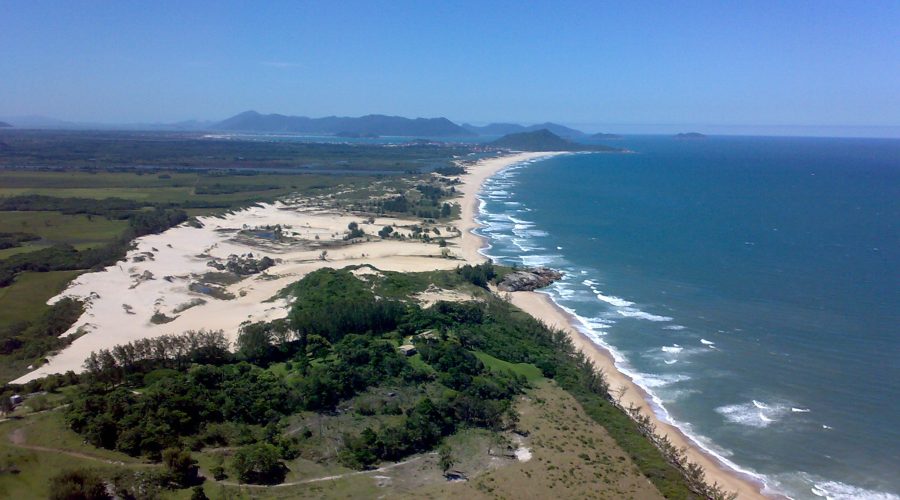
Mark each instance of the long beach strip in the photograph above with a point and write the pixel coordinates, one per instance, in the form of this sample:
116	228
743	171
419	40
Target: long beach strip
544	309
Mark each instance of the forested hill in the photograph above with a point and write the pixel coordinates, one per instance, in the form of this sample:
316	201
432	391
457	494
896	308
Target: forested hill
544	140
514	128
251	121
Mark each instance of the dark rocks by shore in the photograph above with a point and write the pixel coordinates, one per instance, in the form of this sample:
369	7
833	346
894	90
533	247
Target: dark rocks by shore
529	279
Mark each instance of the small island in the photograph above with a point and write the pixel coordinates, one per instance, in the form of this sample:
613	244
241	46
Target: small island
543	140
5	125
690	135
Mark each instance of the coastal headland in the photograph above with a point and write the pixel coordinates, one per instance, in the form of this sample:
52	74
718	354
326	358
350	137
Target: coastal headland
168	283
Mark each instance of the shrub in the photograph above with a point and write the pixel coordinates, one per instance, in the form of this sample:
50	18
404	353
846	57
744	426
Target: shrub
78	484
259	464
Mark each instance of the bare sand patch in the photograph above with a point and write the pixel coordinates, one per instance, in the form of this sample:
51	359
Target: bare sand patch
434	294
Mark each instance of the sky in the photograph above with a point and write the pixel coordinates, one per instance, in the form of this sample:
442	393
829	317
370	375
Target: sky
614	66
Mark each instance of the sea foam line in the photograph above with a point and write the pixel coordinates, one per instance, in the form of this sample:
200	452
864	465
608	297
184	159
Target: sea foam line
619	361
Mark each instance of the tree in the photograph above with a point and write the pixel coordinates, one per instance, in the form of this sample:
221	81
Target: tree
259	464
78	484
180	466
218	469
355	231
255	341
198	493
386	231
445	459
6	405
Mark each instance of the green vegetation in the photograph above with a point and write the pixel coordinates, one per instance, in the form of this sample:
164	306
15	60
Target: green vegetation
158	398
527	370
28	327
51	227
543	140
98	150
62	220
85	483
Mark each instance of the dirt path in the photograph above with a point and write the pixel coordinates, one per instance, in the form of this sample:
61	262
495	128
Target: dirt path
17	438
329	478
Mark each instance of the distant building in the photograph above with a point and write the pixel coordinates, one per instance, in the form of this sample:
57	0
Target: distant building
408	349
15	399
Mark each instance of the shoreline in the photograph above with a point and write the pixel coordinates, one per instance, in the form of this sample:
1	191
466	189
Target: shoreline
542	307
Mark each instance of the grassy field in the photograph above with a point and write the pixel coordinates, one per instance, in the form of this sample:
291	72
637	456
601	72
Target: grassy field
166	186
40	443
529	371
24	302
55	227
26	299
572	457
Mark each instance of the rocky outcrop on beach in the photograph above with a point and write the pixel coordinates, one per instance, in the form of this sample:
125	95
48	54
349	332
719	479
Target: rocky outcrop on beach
528	279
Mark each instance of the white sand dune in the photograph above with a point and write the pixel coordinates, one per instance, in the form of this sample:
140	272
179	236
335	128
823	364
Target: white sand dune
182	253
156	275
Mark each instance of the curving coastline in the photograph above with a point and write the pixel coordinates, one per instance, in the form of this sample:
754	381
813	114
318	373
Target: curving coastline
541	306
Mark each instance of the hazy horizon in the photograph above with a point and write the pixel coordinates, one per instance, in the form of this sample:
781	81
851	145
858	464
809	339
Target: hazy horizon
797	68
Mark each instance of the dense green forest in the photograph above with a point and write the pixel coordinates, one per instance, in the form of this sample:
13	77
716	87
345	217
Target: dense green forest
166	398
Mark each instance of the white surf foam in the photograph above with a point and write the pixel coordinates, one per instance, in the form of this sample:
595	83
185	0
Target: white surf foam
537	260
753	414
594	329
673	349
655	381
707	342
834	490
800	410
613	300
630	312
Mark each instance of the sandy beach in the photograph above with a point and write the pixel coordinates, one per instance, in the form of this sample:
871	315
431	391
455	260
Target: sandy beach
159	277
543	308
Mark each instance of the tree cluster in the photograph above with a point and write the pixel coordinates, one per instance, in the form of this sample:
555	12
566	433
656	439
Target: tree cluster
478	275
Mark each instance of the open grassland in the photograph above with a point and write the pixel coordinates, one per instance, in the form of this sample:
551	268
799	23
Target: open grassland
55	227
529	371
222	190
24	302
27	297
34	445
572	456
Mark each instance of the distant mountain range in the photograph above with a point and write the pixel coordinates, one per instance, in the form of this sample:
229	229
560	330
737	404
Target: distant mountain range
251	121
690	135
363	126
543	140
513	128
4	125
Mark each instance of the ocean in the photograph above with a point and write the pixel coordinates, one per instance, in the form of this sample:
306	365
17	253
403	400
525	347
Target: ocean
750	284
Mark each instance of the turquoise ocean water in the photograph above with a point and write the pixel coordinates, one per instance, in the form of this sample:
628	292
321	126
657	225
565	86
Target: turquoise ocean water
749	284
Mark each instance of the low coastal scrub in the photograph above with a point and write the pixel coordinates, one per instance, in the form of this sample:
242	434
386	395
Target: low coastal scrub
352	345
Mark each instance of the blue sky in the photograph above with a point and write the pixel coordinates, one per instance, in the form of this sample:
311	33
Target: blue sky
619	66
